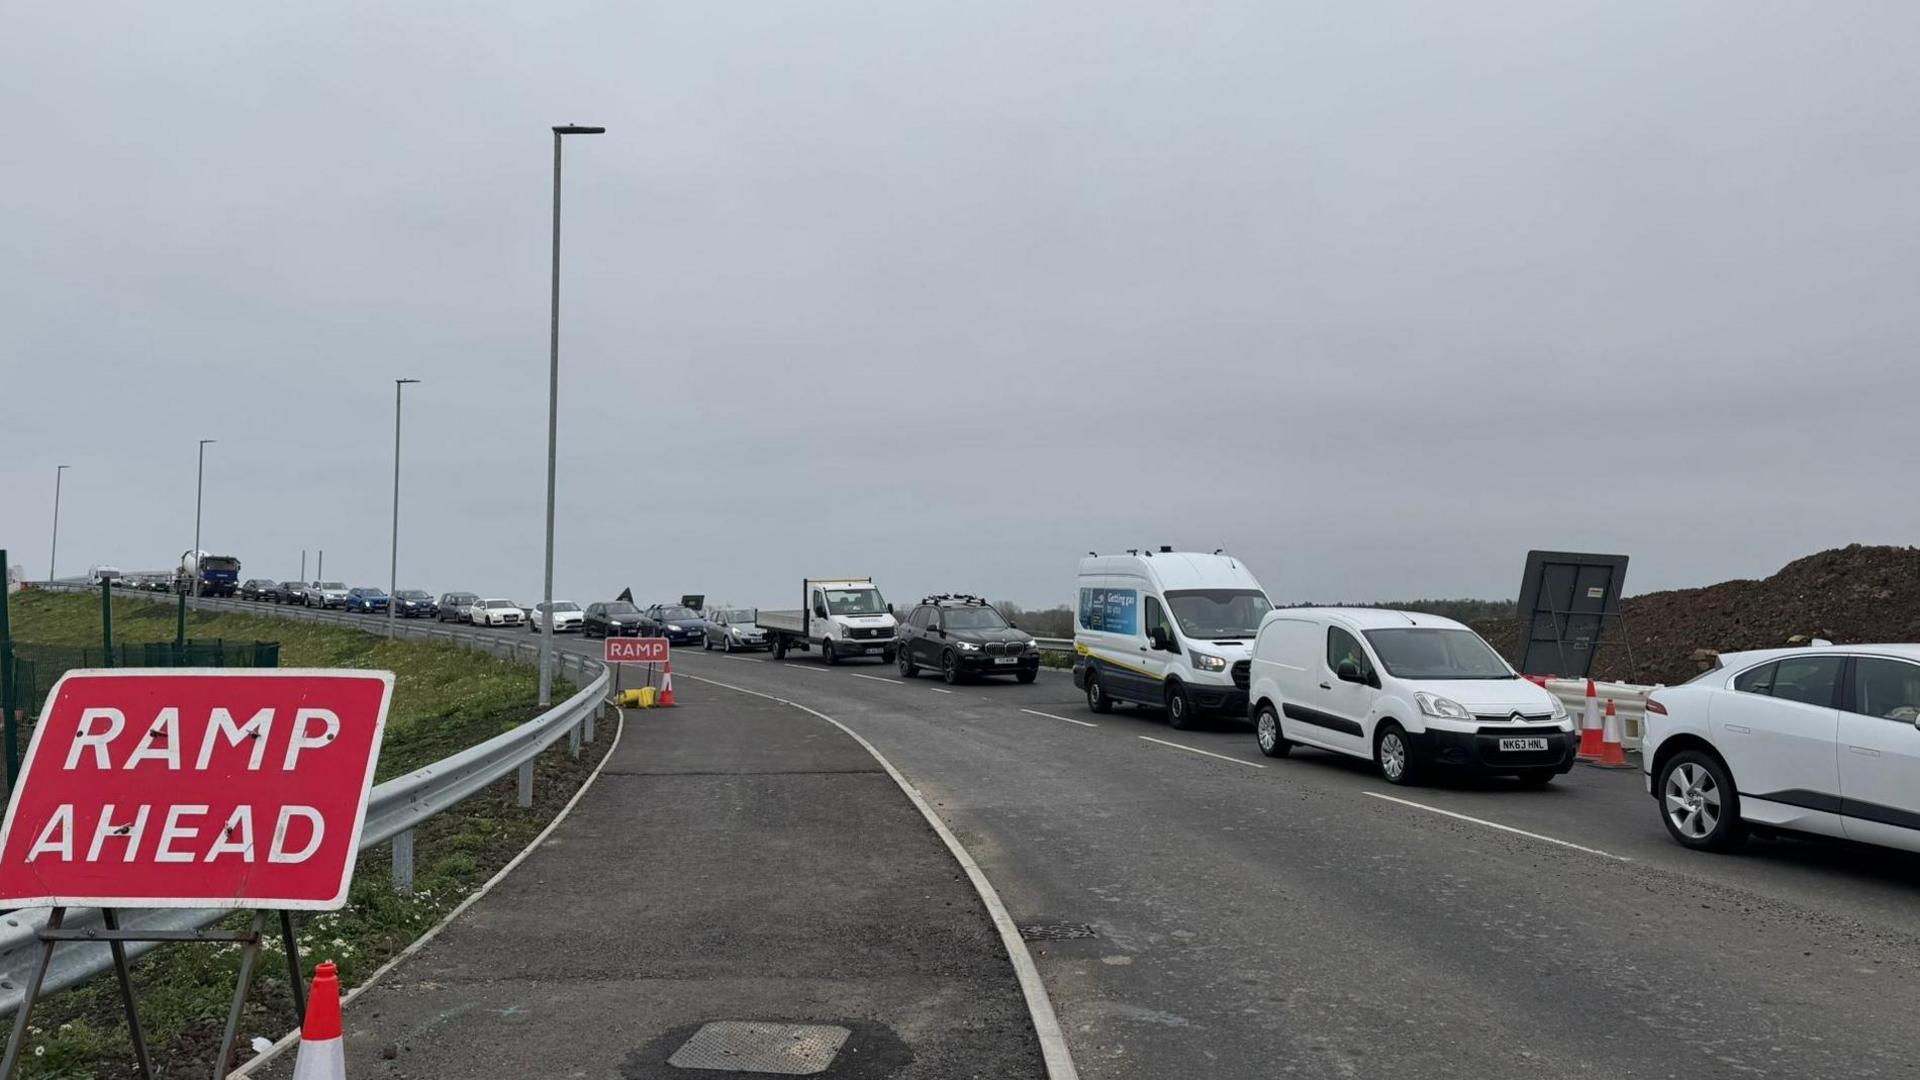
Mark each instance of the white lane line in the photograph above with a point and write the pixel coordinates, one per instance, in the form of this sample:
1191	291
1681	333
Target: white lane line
937	690
1068	719
872	678
1497	825
745	660
1209	753
1046	1023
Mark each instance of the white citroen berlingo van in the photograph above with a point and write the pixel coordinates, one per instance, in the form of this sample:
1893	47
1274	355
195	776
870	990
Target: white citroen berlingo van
1406	690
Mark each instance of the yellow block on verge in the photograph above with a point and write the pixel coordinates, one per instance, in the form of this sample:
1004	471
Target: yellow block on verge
637	699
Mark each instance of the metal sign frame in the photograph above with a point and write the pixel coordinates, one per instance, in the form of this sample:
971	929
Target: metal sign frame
1568	603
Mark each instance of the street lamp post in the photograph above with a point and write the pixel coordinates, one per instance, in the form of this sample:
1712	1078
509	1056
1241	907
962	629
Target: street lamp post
199	489
393	567
553	415
53	557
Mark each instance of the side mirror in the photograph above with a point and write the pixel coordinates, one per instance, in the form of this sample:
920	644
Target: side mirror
1348	671
1159	638
889	609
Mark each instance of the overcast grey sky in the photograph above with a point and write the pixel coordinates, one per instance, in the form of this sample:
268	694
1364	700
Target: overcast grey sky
1376	295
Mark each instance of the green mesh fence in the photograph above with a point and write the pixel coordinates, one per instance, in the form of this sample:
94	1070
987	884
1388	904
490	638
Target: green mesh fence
37	667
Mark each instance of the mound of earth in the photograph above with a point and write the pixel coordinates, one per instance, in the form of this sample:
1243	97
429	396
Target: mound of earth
1853	594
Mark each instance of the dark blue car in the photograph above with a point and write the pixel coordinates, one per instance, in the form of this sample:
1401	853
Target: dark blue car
366	601
415	604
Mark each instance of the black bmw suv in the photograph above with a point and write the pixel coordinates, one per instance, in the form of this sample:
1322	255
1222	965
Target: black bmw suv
963	636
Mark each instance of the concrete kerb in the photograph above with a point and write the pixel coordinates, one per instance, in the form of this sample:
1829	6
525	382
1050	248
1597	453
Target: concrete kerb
266	1056
1046	1025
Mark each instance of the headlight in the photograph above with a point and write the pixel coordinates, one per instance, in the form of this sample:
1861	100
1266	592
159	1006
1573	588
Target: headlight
1559	707
1208	662
966	646
675	627
1032	645
1444	708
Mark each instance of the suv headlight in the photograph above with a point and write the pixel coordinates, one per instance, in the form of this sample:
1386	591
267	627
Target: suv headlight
1443	708
1032	645
1208	661
966	646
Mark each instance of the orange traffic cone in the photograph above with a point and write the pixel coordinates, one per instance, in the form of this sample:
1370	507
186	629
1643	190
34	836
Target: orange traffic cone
1591	736
665	700
323	1056
1613	748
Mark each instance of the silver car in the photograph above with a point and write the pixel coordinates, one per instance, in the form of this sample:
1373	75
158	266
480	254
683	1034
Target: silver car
733	630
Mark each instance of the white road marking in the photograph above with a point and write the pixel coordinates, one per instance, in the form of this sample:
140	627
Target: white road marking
1497	825
745	660
937	690
871	678
1209	753
1068	719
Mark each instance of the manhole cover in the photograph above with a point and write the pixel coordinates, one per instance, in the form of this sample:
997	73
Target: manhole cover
751	1046
1060	931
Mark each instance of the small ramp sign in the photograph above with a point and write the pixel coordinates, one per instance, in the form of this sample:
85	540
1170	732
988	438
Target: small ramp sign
234	788
638	650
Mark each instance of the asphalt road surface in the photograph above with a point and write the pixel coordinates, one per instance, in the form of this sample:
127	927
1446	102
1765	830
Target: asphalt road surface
1254	917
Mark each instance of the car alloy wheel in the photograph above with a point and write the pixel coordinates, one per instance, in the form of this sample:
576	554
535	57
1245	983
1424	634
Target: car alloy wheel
1266	726
1692	800
1394	756
949	668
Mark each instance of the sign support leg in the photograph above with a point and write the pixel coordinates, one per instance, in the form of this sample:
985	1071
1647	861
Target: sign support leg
295	982
249	953
111	920
19	1041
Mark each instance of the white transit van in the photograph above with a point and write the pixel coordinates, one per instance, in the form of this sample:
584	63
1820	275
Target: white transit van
1170	629
1407	691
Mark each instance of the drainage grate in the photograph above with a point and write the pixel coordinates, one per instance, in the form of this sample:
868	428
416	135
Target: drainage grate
1061	931
753	1046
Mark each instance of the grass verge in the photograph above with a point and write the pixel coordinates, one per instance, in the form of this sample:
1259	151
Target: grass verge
444	699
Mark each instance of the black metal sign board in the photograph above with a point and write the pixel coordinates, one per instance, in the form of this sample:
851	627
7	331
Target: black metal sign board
1568	603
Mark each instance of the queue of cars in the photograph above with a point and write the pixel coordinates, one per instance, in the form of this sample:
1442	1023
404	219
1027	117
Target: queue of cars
1820	740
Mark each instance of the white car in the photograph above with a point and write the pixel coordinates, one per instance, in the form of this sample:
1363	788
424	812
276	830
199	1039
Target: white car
326	594
1816	740
495	613
566	616
1405	690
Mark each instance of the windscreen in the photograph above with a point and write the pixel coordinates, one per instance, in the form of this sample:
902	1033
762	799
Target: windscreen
566	606
973	618
225	563
333	585
740	615
621	607
855	602
501	604
676	612
1430	652
1215	614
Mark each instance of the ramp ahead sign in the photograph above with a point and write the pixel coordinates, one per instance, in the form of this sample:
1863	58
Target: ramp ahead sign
170	788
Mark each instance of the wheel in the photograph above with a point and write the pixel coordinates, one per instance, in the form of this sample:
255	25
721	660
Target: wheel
706	643
1393	752
908	669
1097	698
1699	802
826	652
887	655
949	668
726	644
1179	707
779	648
1266	731
1536	778
1026	676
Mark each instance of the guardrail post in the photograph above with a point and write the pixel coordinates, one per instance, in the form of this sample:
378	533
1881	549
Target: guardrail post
592	715
403	862
526	783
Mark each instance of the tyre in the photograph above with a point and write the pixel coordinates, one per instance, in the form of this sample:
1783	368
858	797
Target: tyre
1097	698
887	655
1536	778
779	648
949	668
1026	676
726	644
908	669
1699	803
1179	706
1266	731
706	643
1393	753
827	652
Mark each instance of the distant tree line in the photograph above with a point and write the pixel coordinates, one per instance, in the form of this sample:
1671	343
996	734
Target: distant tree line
1055	622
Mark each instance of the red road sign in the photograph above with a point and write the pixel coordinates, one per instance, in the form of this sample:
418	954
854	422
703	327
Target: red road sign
195	788
637	650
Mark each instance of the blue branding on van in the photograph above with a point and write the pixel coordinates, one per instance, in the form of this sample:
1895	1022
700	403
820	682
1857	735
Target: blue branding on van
1110	611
